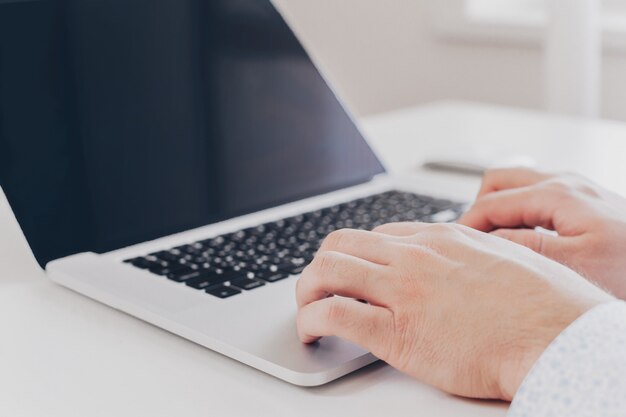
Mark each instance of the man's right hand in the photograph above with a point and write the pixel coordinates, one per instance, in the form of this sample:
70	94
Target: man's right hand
590	221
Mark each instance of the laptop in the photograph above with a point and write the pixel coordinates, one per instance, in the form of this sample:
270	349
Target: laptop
182	161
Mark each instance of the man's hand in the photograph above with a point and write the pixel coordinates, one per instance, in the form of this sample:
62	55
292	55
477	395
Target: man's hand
590	221
459	309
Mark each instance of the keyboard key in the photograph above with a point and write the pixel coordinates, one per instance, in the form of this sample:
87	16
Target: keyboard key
184	274
291	268
272	276
246	284
194	249
169	256
201	283
207	279
223	291
141	263
167	269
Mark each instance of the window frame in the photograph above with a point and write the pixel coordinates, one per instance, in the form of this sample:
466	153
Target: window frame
450	21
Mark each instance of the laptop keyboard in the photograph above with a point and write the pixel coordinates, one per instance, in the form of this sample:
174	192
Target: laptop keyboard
227	265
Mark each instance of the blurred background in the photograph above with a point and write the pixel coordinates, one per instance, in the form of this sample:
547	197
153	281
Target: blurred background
383	55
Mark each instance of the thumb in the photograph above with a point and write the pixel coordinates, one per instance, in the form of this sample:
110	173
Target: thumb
544	244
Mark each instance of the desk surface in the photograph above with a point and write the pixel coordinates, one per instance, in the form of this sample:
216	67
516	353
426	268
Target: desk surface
64	355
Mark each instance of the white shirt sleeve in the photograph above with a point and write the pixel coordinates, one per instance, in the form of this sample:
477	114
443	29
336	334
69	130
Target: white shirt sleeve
582	373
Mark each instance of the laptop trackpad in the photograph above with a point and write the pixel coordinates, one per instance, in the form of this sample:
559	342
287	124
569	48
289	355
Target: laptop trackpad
260	329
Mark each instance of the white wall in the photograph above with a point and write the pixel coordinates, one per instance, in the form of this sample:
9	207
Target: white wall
383	54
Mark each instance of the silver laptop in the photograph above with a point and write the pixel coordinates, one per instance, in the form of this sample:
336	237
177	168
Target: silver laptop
181	161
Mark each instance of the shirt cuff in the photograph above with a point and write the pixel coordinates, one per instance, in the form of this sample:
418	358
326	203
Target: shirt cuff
583	372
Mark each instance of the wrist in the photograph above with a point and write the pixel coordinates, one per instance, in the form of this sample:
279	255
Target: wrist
514	369
518	359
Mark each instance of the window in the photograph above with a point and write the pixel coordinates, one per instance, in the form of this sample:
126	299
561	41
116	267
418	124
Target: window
503	11
519	21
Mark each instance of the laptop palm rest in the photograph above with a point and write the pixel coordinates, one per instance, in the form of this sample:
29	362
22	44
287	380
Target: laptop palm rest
254	328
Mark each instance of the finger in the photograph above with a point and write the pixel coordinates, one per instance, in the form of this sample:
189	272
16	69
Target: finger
401	229
507	178
544	244
335	273
527	207
373	247
426	234
362	324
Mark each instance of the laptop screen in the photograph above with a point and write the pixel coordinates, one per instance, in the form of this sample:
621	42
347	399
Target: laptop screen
123	121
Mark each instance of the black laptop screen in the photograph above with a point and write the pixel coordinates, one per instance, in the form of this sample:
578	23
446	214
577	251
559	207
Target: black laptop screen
127	120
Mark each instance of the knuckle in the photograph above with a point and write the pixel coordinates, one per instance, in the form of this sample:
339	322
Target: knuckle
531	171
559	183
336	238
384	228
325	263
442	229
484	203
492	173
461	233
560	187
588	190
364	277
336	311
572	183
415	251
398	227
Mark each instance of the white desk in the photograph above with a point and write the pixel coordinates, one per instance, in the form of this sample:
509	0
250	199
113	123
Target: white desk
62	354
